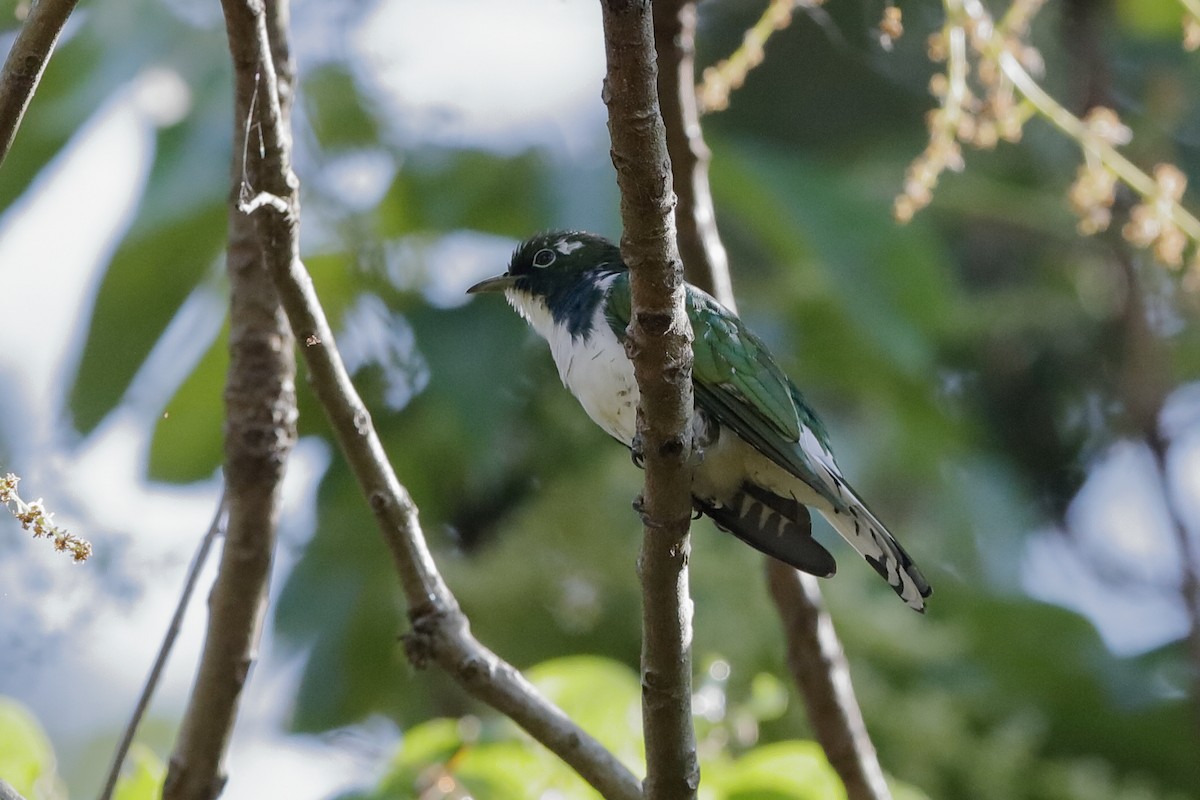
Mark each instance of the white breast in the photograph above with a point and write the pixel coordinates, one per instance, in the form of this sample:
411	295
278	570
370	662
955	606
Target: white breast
596	371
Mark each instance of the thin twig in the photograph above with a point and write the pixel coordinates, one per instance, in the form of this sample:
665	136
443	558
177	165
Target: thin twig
659	345
441	633
721	80
26	62
1075	128
164	650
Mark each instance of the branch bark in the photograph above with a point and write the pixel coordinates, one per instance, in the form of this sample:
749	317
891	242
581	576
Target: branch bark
1145	383
704	261
659	345
440	632
1146	378
819	667
26	62
260	430
816	658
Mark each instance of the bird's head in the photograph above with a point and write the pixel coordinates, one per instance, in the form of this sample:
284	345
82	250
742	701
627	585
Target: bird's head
551	264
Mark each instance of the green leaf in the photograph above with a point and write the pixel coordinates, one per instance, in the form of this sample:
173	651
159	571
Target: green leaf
143	777
768	697
187	443
783	771
151	274
26	756
603	696
336	110
1151	18
483	198
430	743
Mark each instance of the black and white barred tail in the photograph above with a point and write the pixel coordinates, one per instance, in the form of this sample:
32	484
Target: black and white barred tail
781	528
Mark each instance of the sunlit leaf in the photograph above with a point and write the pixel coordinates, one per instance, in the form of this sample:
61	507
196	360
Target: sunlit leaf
601	695
782	771
26	755
143	777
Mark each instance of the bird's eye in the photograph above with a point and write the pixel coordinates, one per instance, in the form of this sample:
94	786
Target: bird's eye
543	258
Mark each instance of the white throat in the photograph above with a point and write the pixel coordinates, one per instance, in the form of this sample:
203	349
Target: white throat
595	370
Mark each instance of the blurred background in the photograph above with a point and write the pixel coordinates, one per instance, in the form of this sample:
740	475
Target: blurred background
989	378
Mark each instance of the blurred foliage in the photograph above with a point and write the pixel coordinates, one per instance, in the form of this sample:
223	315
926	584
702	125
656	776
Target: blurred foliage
28	764
490	757
26	755
970	365
143	777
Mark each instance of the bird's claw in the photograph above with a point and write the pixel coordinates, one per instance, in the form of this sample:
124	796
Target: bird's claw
639	506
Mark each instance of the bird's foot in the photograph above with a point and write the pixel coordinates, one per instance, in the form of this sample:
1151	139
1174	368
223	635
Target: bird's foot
639	505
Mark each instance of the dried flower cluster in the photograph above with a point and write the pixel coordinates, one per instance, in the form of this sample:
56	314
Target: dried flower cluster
988	92
1095	187
976	107
1152	223
891	26
1191	24
34	517
721	80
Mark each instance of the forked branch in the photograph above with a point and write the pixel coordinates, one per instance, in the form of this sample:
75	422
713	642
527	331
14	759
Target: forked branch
441	632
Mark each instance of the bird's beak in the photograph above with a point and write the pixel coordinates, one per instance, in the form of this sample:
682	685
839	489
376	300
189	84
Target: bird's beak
496	284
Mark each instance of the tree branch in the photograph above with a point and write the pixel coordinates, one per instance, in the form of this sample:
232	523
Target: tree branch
441	633
1145	383
164	650
817	661
704	259
26	62
260	430
659	344
819	667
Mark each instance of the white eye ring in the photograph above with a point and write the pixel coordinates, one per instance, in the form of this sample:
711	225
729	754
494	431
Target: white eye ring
544	258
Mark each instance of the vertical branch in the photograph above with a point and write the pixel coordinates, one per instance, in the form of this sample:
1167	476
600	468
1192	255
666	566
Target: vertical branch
441	632
700	247
1145	383
659	344
815	655
819	666
260	431
26	62
1189	565
1145	379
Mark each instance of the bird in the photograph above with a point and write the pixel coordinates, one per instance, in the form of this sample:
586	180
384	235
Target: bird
764	457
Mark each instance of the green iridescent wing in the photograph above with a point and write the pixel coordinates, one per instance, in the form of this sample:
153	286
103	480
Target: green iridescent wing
738	382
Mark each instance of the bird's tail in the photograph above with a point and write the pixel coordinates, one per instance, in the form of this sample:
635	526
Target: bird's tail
866	534
775	525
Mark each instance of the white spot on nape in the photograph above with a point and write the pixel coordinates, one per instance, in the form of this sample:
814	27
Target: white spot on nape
567	246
